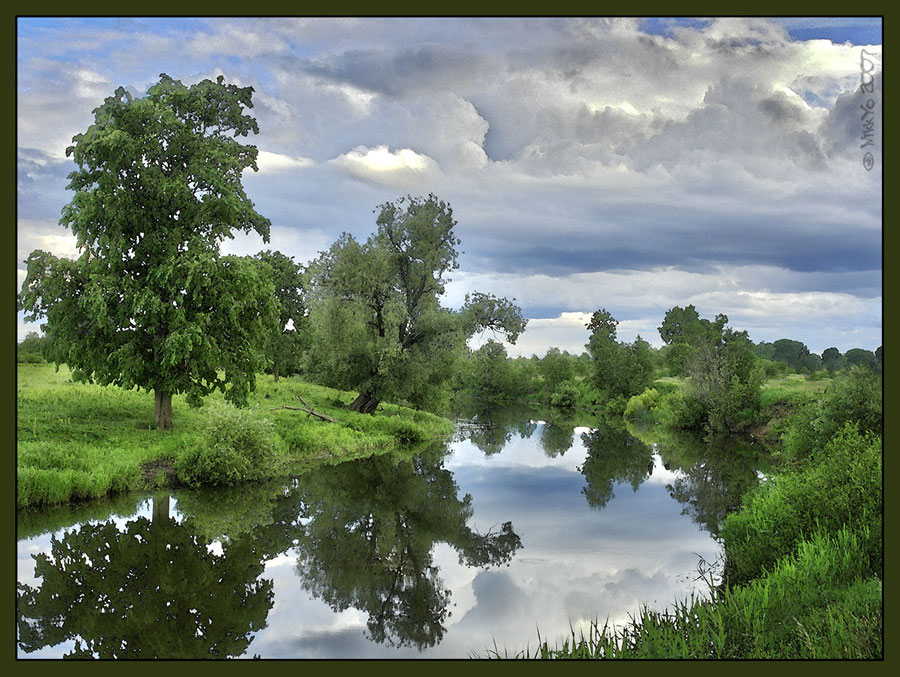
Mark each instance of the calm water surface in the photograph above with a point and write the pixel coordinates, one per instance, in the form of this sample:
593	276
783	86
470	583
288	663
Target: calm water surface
517	527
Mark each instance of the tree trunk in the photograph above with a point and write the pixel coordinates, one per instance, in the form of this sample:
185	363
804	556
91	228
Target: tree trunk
163	410
160	508
275	370
364	404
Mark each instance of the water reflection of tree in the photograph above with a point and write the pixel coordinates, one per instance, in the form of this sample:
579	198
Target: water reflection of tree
716	473
367	544
151	590
490	428
613	456
557	437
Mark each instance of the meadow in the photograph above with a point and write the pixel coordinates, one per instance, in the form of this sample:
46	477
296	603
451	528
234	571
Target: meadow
78	441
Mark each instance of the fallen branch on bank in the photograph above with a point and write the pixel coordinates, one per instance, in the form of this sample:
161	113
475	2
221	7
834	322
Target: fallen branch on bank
309	410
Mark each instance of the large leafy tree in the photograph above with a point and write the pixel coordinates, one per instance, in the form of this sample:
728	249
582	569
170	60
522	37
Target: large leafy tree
683	329
376	322
791	352
151	302
832	359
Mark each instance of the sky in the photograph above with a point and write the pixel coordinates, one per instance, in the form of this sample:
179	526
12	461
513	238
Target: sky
631	164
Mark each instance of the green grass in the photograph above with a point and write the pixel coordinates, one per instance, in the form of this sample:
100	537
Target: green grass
78	441
792	389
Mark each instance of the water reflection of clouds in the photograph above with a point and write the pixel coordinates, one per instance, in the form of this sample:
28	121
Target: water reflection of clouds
577	564
519	452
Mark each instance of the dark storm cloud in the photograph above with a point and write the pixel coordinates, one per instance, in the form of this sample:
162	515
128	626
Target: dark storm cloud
395	74
741	244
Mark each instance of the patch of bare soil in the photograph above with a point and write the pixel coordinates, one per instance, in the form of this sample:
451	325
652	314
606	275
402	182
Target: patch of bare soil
151	470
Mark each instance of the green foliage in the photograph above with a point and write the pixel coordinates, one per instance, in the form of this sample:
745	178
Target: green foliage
565	396
620	369
724	378
682	330
234	446
150	302
556	367
31	349
843	488
793	353
854	397
78	441
285	343
832	359
857	357
640	406
488	372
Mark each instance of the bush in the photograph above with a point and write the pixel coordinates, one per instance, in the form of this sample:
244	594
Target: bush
565	396
854	398
615	406
641	406
844	488
29	358
406	432
682	411
234	446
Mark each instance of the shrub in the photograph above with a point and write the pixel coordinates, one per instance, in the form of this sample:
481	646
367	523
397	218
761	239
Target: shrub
641	406
615	406
843	488
680	410
854	398
234	446
565	396
406	432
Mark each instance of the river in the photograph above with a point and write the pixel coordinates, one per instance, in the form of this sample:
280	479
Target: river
524	526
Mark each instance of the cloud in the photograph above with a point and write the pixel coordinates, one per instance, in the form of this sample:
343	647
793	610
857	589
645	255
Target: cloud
397	73
382	165
271	163
567	146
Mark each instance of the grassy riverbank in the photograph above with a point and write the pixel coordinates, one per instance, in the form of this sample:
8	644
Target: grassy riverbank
79	441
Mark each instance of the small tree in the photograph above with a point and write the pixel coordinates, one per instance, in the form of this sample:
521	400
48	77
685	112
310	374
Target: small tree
31	348
489	371
556	367
791	352
682	329
151	302
860	358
